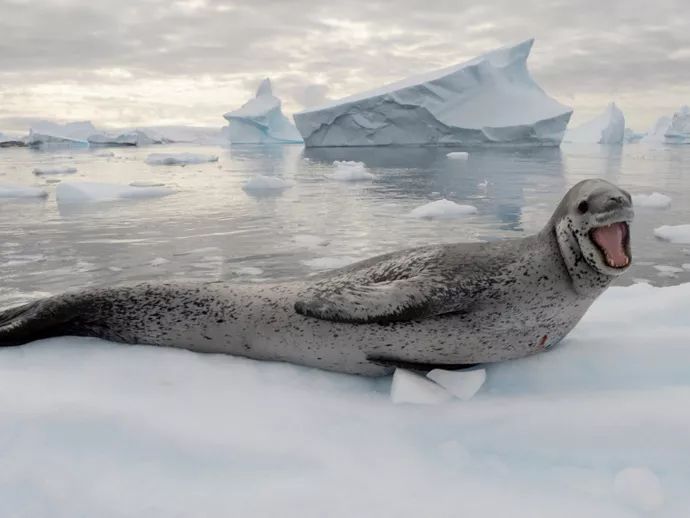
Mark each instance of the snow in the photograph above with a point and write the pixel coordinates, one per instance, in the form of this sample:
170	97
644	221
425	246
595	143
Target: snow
77	192
654	200
261	120
674	233
489	100
349	171
595	427
179	158
266	183
17	191
606	128
461	384
458	155
640	488
678	132
329	263
54	170
656	134
442	209
408	387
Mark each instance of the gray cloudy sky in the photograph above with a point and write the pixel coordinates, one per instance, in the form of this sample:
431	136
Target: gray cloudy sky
145	62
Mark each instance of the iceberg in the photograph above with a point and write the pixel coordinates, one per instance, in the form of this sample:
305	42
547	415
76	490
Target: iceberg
79	130
133	138
80	192
656	133
678	132
489	100
16	191
607	128
179	158
442	209
44	139
261	120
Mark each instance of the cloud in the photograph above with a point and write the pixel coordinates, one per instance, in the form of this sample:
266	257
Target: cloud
152	61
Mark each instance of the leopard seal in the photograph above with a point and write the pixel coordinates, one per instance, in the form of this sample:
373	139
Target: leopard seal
446	306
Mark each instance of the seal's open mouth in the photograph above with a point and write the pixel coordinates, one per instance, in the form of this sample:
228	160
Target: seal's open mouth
613	241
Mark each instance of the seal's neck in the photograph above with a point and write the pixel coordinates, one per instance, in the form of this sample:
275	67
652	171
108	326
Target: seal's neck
586	281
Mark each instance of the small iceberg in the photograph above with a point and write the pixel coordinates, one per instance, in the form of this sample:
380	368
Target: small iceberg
458	155
679	234
350	171
442	209
607	128
678	132
76	192
16	191
47	170
654	200
132	138
179	158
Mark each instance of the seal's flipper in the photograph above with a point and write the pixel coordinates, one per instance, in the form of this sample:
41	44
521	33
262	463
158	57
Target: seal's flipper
414	366
389	301
36	320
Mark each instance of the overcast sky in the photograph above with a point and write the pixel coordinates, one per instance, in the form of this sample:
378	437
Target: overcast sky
147	62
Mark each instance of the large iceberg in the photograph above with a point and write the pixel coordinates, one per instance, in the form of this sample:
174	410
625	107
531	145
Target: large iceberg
36	139
79	130
489	100
606	128
656	133
132	138
678	132
261	120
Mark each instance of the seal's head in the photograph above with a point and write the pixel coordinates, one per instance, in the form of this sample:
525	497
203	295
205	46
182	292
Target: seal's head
592	225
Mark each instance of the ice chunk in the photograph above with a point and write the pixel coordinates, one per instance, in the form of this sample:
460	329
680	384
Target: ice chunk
442	209
54	170
179	158
489	100
249	270
158	261
607	128
656	133
408	387
674	233
678	132
329	263
261	120
74	192
132	138
654	200
349	171
462	384
265	183
146	183
458	155
16	191
43	139
630	136
639	487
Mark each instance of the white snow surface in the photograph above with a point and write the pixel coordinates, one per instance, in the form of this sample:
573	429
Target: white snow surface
461	384
606	128
19	191
674	233
409	387
678	132
266	183
458	155
179	158
54	169
489	100
261	121
442	209
350	171
653	200
595	427
81	192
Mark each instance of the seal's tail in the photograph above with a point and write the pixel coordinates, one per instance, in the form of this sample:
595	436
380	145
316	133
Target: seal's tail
33	321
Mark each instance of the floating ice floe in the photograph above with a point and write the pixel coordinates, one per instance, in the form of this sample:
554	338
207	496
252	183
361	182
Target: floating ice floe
179	158
461	384
674	233
146	183
678	132
442	209
16	191
47	170
74	192
489	100
158	261
266	183
654	200
639	488
350	171
261	120
607	128
408	387
458	155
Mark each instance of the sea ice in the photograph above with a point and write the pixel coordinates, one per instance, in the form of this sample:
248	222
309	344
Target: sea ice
674	233
179	158
678	132
654	200
261	120
265	183
458	155
408	387
489	100
76	192
461	384
442	209
607	128
349	171
54	170
17	191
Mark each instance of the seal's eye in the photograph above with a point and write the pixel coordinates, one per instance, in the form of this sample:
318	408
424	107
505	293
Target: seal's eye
583	207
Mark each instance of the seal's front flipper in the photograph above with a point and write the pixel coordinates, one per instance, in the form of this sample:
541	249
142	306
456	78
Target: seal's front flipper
36	320
414	366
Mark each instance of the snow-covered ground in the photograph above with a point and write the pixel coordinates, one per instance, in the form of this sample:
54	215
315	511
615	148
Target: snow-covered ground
596	427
